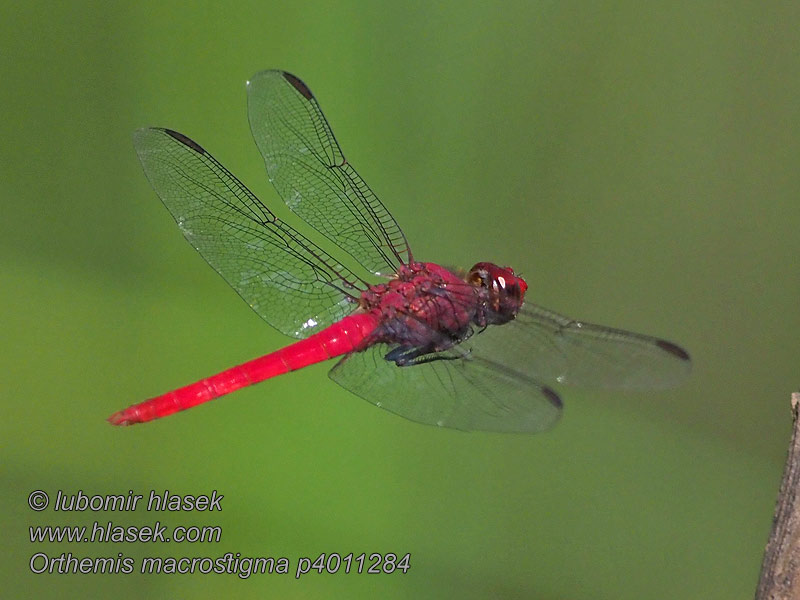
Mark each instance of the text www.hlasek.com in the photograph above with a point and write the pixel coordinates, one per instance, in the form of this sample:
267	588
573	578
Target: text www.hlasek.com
108	532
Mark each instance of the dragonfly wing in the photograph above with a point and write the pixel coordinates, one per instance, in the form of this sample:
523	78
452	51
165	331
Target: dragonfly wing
306	165
558	350
288	280
497	378
459	391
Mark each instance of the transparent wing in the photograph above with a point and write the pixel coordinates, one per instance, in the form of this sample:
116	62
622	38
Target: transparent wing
461	391
495	379
555	349
290	282
306	165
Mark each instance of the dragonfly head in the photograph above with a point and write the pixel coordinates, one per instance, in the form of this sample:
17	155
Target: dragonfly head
504	291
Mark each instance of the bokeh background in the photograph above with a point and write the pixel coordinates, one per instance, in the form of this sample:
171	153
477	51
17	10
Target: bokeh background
638	164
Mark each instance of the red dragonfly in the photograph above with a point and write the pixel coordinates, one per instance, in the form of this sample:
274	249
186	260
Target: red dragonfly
435	345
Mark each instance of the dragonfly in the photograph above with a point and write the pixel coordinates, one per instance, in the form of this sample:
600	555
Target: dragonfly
462	349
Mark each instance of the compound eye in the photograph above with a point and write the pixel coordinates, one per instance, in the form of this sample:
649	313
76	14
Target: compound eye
479	278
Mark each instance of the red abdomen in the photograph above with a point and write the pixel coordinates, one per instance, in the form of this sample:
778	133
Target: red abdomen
340	338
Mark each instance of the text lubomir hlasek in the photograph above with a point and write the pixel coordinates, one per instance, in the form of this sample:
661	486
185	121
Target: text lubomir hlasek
156	501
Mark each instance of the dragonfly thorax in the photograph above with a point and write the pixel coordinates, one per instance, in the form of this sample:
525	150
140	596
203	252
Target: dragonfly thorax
423	302
426	301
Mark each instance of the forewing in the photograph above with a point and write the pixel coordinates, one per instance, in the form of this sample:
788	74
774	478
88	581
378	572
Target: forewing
495	380
306	165
555	349
460	391
290	282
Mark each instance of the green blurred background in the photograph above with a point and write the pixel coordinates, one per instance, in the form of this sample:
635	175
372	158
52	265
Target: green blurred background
637	164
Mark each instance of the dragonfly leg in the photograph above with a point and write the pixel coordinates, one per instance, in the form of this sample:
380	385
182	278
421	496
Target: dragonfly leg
404	356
